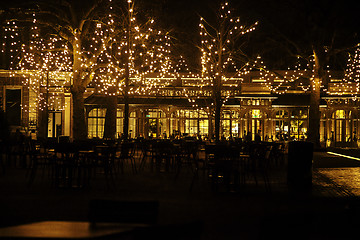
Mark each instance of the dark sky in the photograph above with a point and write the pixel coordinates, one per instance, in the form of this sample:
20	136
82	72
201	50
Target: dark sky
304	22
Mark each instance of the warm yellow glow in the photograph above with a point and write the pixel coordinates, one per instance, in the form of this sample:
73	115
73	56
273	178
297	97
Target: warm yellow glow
345	156
50	63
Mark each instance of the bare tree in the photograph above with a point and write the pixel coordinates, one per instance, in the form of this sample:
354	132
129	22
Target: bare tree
319	34
138	48
222	51
78	24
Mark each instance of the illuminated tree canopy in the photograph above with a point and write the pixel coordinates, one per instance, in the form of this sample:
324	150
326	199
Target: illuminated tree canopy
222	55
115	48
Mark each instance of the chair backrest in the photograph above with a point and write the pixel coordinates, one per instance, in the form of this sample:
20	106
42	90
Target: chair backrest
127	149
114	211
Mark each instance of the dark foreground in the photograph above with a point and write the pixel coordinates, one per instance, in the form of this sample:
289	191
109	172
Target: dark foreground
330	210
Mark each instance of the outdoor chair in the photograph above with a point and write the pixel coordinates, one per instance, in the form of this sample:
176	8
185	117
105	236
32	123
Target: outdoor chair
278	154
187	154
163	155
39	159
221	169
265	165
65	163
145	152
127	152
259	162
17	147
104	160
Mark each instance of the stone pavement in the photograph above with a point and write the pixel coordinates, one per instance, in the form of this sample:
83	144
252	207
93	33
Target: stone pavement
335	175
330	211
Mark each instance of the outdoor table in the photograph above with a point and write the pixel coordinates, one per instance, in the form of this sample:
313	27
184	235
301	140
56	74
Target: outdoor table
67	230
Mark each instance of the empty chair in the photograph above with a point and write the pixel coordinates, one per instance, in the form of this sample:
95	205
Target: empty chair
221	165
39	160
104	158
145	147
163	152
264	165
260	163
127	151
114	211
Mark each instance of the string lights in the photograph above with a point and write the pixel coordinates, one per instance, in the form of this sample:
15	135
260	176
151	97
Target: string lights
352	74
43	65
48	62
145	49
220	62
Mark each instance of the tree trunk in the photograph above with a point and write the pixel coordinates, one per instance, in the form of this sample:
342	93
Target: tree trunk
314	107
218	103
314	116
126	88
43	123
110	117
77	90
126	103
127	82
126	117
44	113
217	117
79	123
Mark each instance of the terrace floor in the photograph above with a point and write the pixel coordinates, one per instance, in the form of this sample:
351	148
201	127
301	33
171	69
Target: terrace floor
331	210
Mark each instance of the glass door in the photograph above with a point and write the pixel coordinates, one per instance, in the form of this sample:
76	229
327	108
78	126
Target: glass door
55	124
256	128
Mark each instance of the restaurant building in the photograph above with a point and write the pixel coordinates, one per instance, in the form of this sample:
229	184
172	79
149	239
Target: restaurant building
251	106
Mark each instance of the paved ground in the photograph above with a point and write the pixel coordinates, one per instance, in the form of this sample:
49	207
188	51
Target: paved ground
330	211
342	173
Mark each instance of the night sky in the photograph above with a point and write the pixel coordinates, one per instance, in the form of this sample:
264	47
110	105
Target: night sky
301	22
304	23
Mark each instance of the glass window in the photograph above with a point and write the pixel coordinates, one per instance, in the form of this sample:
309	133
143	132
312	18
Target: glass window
154	124
236	115
340	114
203	114
226	114
235	127
191	122
298	129
323	131
281	129
203	127
255	102
282	114
298	124
256	113
225	131
343	114
120	123
191	126
119	113
96	121
92	127
299	113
